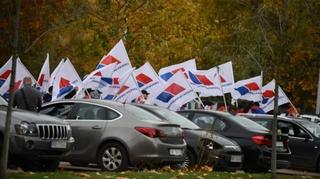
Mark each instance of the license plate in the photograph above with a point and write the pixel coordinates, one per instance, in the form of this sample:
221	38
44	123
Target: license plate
236	158
175	152
58	144
279	144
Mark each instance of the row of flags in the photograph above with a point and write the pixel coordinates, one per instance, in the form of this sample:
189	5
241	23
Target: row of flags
172	87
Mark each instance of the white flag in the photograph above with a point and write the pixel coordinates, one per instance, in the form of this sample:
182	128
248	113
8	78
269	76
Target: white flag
206	82
118	55
174	93
167	72
226	77
267	103
65	81
249	89
129	90
100	78
44	76
5	71
146	78
21	73
54	73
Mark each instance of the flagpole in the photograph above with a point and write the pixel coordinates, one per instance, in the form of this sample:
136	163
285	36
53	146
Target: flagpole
221	88
294	108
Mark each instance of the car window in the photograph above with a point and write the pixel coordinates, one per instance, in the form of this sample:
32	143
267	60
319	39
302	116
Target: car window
264	123
140	114
171	116
245	122
219	125
294	130
311	127
203	120
60	110
85	111
186	114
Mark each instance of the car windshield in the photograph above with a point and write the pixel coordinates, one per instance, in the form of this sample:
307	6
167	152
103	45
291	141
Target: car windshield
172	117
3	102
247	123
139	113
313	128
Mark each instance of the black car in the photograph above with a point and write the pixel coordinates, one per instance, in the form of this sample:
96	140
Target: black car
254	139
203	147
304	139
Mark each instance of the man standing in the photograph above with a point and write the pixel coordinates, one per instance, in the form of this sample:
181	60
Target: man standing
27	97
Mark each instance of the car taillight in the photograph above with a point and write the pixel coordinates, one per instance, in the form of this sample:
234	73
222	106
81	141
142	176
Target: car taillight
150	132
261	140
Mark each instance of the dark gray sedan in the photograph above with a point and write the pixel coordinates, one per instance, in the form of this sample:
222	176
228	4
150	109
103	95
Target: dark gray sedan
203	147
116	135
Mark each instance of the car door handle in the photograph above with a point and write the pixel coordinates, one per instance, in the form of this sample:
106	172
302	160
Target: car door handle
96	127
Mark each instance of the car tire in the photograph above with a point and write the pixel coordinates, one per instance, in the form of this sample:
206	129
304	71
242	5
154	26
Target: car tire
113	157
189	161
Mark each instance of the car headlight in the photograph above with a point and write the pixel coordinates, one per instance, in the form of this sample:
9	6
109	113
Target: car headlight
69	132
232	148
25	128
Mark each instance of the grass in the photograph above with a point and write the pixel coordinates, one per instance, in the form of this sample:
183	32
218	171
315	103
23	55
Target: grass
150	174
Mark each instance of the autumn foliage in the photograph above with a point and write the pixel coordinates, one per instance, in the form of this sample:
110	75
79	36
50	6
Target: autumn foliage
280	37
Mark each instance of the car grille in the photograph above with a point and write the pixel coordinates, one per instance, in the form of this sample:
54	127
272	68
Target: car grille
51	131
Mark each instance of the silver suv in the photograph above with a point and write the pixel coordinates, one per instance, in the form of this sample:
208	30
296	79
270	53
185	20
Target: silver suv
36	141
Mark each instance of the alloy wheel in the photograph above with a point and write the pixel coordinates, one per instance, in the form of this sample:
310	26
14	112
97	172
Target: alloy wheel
112	158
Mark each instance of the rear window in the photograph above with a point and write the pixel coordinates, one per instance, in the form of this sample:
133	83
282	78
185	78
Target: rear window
140	114
247	123
172	117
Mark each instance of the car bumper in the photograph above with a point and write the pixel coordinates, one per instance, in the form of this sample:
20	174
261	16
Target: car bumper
260	159
229	161
26	146
155	152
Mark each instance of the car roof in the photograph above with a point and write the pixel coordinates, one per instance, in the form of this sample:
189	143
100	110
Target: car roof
268	116
207	111
93	101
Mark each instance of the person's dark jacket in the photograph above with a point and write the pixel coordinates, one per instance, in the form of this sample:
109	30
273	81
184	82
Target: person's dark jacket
31	100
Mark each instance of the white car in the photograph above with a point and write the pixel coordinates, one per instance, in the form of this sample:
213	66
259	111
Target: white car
312	118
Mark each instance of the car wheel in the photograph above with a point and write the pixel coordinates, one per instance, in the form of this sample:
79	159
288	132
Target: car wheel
113	157
189	161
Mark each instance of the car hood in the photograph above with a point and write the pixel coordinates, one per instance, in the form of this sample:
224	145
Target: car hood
23	115
219	139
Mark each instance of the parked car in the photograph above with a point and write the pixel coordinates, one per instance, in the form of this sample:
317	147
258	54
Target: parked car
304	139
36	141
116	135
203	147
312	118
254	139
